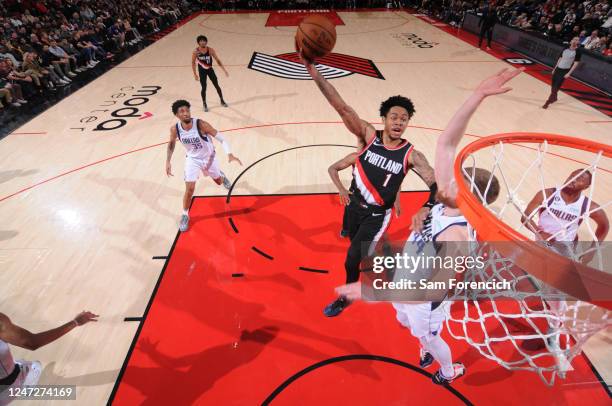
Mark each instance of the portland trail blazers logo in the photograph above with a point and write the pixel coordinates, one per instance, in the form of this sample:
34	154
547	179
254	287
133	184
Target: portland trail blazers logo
332	66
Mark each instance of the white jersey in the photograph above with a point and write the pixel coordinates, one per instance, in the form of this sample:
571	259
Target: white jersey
561	217
422	243
7	363
435	224
198	145
426	317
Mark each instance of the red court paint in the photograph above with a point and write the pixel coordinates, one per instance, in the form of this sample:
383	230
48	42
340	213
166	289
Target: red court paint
293	18
211	337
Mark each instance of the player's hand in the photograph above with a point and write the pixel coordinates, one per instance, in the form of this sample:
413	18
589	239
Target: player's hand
225	71
398	208
169	169
588	257
345	199
419	218
495	84
85	317
567	75
232	157
544	236
196	78
306	61
147	346
352	291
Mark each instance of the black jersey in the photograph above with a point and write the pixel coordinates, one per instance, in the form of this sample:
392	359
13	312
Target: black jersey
204	58
379	171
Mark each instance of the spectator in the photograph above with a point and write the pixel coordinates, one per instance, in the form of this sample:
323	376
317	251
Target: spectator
69	62
26	82
52	62
87	13
5	54
14	88
591	41
47	77
6	98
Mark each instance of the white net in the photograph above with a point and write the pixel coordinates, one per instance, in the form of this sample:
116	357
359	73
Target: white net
532	326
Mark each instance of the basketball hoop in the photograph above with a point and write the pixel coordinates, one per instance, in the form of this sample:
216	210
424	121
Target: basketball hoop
570	300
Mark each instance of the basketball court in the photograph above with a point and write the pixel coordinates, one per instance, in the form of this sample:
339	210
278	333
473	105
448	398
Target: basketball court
231	311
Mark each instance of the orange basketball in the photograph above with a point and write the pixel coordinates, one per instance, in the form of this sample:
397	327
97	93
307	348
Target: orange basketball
316	36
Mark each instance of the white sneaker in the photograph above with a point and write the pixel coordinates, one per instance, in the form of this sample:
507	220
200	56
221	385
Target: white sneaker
184	224
65	79
21	101
32	371
226	182
71	74
16	104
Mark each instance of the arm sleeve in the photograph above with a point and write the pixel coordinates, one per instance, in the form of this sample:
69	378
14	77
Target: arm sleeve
224	144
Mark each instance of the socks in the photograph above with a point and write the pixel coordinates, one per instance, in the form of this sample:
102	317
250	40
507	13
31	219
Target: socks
437	347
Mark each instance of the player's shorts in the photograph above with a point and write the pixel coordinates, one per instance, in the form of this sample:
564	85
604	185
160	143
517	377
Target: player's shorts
207	167
420	319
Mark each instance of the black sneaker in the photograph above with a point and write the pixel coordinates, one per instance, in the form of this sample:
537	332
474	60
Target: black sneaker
440	379
426	359
336	307
224	104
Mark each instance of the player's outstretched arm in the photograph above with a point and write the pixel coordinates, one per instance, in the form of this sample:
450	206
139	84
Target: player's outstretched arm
361	128
333	170
450	137
19	336
206	128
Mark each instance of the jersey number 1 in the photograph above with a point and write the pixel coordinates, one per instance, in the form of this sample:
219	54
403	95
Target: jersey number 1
387	179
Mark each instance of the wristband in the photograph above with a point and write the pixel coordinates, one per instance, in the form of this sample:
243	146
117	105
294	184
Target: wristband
431	201
76	323
224	144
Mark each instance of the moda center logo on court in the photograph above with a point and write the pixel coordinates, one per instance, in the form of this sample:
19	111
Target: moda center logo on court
331	66
123	105
412	40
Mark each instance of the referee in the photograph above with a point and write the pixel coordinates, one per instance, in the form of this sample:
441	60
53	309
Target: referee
486	24
566	64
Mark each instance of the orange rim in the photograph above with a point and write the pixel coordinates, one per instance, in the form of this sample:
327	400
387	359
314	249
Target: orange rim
580	281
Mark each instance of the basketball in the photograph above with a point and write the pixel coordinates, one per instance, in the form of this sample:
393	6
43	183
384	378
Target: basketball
316	36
